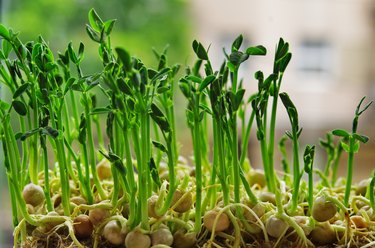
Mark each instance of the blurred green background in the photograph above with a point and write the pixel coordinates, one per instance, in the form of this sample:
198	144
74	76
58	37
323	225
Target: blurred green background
141	25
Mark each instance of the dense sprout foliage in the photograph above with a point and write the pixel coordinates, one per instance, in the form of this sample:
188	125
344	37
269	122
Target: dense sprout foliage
117	179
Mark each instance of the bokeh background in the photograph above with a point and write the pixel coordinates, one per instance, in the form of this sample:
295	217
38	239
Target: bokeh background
333	62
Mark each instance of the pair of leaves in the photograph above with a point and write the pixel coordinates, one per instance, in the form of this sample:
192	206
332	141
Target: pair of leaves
291	109
76	58
199	50
235	100
282	56
43	131
345	134
98	29
308	158
353	140
160	119
4	32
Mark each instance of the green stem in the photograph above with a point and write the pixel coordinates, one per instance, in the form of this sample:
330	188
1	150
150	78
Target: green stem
212	190
221	161
267	171
143	173
34	142
245	141
296	171
13	199
371	193
198	167
90	198
234	148
24	155
92	149
311	190
129	162
46	177
75	109
85	182
349	175
99	132
271	140
336	163
65	194
159	153
14	163
172	178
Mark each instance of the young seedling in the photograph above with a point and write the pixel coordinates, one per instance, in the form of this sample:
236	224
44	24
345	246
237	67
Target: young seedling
234	98
192	87
284	160
293	135
352	146
371	192
308	159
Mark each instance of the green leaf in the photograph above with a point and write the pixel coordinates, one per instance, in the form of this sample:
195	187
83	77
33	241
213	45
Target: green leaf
18	135
185	88
282	49
51	132
238	99
21	90
154	172
108	26
159	146
163	89
284	62
4	105
95	21
257	50
82	130
237	57
308	158
6	48
361	138
162	123
81	49
125	58
199	50
260	134
206	82
340	133
195	79
124	87
156	111
231	66
100	110
356	146
27	134
345	146
286	100
19	107
205	108
69	84
119	165
237	43
358	111
92	34
72	54
4	32
161	75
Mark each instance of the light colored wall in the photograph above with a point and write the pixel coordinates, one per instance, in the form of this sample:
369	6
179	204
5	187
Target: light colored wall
323	100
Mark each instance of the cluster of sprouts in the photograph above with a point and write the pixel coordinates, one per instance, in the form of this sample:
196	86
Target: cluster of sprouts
93	160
